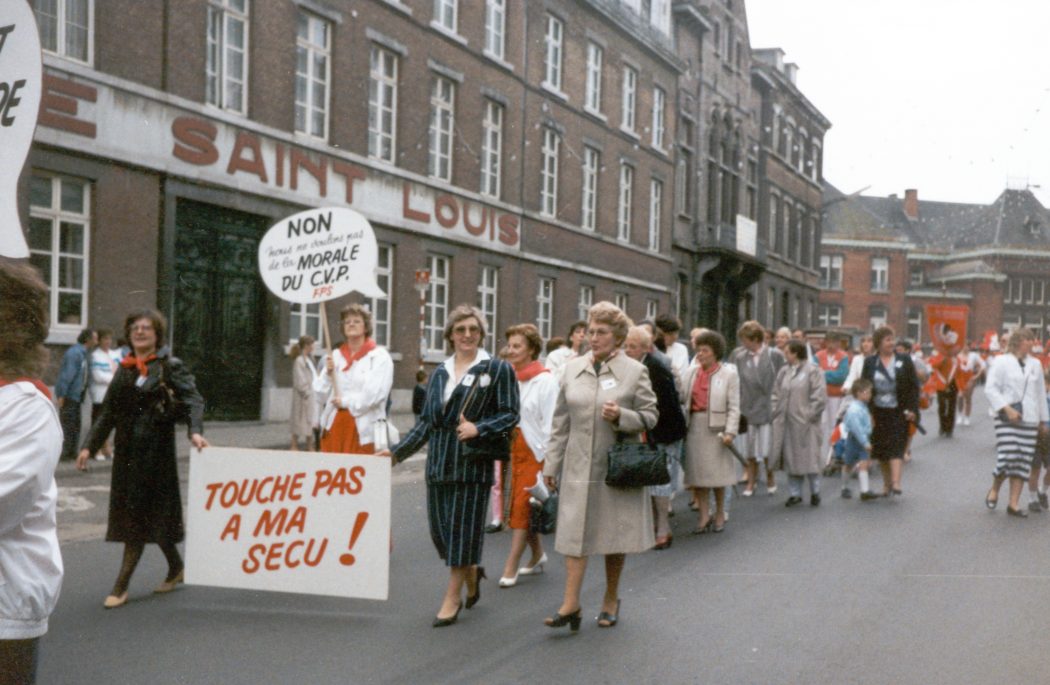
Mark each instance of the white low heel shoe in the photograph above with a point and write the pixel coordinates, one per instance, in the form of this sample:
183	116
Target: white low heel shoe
509	582
535	569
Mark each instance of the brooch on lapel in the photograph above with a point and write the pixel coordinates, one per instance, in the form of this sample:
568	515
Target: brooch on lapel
484	380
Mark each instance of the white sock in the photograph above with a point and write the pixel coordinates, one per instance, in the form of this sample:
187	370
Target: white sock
1042	487
1033	496
862	476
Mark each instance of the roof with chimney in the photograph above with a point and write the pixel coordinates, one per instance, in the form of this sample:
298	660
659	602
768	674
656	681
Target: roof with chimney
1015	219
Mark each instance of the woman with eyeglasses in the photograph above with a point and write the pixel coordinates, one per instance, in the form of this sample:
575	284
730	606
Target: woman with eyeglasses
469	396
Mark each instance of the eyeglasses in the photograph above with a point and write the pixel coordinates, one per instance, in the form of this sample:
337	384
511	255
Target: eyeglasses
141	327
466	330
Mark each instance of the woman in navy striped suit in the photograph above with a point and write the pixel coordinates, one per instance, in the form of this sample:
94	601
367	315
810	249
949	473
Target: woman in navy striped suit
469	395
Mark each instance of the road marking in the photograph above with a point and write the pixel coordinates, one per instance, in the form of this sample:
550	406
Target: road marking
71	499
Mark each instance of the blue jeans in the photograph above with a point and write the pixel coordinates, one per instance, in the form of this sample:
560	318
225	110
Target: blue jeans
795	484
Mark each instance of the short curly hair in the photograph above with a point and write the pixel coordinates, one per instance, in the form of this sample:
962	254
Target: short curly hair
609	314
531	335
712	339
357	309
24	319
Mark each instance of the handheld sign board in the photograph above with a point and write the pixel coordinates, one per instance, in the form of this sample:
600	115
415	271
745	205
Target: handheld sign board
20	83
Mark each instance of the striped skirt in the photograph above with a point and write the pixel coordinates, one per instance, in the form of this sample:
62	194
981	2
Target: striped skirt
1015	447
456	513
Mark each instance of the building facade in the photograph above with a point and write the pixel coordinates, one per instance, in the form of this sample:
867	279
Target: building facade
521	153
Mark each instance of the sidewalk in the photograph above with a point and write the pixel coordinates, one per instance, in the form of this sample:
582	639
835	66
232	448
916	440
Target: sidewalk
253	434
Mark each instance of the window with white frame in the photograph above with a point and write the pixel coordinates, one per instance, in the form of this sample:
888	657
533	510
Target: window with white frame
627	109
492	149
774	222
623	209
656	208
584	302
1029	291
304	319
591	164
682	182
442	97
814	163
829	315
382	105
488	297
66	28
620	300
914	330
553	39
659	104
796	305
226	58
771	308
59	236
549	173
831	272
1018	287
1040	292
545	308
877	317
660	16
593	96
436	308
916	275
495	27
652	308
381	307
445	13
313	50
880	274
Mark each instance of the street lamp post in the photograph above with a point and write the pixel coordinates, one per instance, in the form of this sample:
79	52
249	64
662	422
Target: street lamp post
422	283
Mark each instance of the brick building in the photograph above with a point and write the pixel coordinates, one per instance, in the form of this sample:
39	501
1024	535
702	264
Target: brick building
522	152
883	259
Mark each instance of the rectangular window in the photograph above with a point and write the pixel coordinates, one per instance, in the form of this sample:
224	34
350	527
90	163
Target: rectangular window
771	308
796	305
549	173
495	27
915	324
382	105
1018	288
491	149
630	86
623	211
554	53
589	212
774	222
652	307
442	96
620	300
488	297
659	101
656	208
583	304
593	99
876	317
831	272
1040	293
916	276
880	274
59	236
313	48
1029	292
437	305
304	319
660	16
66	28
830	315
382	306
545	307
226	59
683	186
445	12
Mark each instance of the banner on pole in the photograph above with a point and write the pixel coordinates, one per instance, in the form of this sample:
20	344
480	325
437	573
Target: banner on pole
947	326
300	522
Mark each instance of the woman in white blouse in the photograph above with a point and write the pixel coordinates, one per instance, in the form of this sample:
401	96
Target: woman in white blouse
538	392
363	374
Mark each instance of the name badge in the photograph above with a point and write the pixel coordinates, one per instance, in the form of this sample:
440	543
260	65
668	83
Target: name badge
608	384
898	365
140	381
468	380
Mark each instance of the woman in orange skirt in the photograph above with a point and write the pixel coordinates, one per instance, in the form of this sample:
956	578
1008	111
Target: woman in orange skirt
358	376
538	390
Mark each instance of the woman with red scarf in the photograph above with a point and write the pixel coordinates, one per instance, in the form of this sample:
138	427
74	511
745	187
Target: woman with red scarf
150	393
538	392
358	378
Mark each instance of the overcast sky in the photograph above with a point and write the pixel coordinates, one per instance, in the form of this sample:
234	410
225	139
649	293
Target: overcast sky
951	97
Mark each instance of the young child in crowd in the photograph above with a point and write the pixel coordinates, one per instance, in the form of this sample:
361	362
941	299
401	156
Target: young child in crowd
855	447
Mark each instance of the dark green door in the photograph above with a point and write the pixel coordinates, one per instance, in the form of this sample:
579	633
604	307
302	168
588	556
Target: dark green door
219	306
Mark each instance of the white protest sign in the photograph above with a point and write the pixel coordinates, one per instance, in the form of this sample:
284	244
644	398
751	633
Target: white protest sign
301	522
319	255
20	83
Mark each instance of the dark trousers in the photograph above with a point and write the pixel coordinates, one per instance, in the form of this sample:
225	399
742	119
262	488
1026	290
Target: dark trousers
69	416
18	659
946	408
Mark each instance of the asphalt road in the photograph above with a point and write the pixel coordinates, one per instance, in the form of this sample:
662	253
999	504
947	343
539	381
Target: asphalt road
926	588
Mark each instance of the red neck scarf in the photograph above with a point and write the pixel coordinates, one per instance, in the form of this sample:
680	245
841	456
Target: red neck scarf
132	361
351	358
530	371
37	383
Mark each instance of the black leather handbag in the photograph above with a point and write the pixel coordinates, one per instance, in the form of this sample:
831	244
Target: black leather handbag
544	517
491	447
635	465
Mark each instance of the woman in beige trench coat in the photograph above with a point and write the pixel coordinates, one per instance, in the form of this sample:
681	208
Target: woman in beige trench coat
799	395
602	393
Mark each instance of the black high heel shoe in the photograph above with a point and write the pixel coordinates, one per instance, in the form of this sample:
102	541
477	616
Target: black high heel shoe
558	620
609	619
474	598
445	622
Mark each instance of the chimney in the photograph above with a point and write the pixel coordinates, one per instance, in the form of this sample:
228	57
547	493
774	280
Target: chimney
911	204
791	71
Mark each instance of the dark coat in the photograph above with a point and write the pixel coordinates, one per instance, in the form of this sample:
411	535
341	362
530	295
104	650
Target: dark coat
670	427
907	382
144	500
